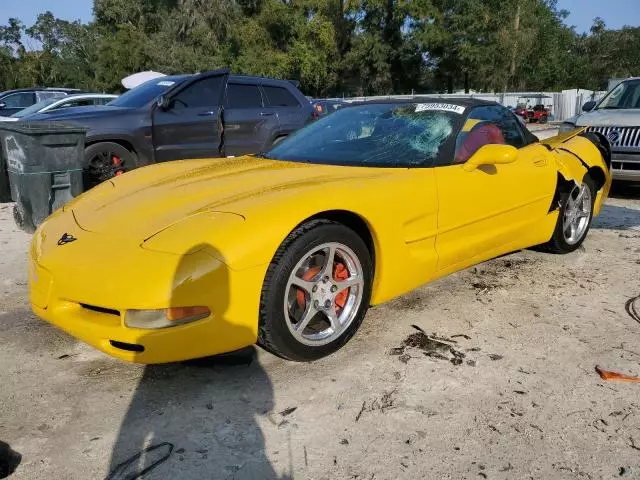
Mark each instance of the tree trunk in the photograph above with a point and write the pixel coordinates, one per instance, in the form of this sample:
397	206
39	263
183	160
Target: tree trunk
514	52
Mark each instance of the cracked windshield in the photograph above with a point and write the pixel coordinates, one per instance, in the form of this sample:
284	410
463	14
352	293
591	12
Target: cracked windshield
382	135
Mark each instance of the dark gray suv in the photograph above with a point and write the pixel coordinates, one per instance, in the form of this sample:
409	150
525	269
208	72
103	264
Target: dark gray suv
186	116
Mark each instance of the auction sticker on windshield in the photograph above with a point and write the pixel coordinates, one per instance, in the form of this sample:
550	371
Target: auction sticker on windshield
446	107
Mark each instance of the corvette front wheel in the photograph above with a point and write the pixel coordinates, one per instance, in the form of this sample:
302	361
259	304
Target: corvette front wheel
574	220
316	292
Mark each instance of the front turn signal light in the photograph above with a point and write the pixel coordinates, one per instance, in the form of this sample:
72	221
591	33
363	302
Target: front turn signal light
166	317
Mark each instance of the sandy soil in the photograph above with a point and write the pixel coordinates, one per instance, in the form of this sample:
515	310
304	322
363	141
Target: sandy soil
522	402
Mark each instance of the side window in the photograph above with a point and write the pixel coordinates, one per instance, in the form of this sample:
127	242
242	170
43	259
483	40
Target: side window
487	125
243	96
50	94
280	97
203	93
75	103
19	100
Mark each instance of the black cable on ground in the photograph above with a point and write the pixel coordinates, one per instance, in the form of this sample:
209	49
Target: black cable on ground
120	471
632	306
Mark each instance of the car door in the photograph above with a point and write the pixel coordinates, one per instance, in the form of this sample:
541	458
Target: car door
248	125
189	124
14	102
492	209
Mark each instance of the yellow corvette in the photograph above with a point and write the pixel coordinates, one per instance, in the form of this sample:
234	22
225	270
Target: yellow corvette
289	248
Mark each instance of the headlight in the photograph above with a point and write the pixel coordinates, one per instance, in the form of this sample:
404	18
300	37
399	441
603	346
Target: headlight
567	127
163	318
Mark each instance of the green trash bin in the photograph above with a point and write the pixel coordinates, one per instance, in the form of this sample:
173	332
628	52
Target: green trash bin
44	165
5	190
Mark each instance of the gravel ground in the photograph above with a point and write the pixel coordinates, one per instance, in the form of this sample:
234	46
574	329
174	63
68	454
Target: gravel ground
515	397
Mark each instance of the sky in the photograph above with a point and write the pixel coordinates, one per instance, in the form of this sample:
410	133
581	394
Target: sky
615	13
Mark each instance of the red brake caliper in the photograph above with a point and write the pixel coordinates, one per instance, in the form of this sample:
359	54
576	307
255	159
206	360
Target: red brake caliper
308	275
117	164
341	273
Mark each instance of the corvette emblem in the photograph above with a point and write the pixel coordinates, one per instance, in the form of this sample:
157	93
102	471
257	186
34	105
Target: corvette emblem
613	136
66	238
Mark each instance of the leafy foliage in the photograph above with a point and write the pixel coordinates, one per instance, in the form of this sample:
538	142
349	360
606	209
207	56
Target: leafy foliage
332	47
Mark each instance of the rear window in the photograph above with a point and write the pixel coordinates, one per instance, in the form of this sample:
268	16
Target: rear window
243	96
280	97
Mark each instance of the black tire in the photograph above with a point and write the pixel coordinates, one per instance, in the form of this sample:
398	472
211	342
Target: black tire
274	334
543	119
558	243
97	166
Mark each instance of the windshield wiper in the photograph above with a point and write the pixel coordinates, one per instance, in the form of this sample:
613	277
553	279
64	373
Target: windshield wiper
609	107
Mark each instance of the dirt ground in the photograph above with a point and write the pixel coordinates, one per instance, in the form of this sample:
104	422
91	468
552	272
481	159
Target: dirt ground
515	397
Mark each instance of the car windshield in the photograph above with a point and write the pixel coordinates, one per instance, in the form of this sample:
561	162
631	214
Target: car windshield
143	94
625	95
35	108
376	135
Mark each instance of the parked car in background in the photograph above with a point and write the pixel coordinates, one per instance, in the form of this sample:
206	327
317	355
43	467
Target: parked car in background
12	101
324	107
186	116
617	117
53	104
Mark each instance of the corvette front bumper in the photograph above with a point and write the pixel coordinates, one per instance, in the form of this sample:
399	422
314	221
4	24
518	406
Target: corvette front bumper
88	298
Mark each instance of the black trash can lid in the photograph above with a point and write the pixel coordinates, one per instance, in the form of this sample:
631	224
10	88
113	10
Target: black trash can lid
41	128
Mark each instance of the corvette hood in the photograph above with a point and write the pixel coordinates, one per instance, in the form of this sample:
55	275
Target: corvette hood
150	199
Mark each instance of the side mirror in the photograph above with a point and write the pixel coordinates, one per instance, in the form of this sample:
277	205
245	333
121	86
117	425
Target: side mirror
492	154
163	102
587	107
3	105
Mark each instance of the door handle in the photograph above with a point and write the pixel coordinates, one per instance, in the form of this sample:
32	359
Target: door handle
207	114
266	114
540	161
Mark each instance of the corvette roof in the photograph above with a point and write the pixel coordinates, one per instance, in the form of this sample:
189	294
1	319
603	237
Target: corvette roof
464	102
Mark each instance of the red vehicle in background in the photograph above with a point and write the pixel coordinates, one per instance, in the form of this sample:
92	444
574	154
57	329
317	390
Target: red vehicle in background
538	114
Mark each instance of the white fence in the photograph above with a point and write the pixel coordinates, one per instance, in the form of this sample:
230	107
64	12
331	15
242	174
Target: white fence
563	104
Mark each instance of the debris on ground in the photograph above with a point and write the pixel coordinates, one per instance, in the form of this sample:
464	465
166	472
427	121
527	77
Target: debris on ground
382	404
616	376
288	411
433	346
625	472
484	287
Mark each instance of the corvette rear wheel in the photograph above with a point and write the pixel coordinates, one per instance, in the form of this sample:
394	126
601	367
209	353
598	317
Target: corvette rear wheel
316	292
574	220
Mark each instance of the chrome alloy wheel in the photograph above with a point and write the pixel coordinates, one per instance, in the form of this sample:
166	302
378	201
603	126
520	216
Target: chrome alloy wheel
323	294
577	214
